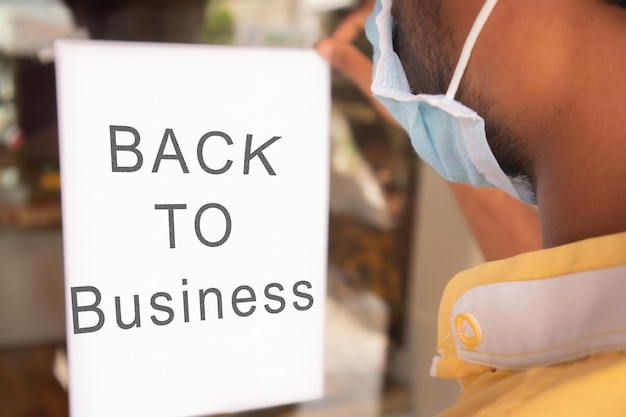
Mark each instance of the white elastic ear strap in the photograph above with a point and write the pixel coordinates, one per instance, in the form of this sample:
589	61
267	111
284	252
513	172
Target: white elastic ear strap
480	21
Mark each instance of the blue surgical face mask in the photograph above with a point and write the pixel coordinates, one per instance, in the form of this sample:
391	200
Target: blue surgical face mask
445	133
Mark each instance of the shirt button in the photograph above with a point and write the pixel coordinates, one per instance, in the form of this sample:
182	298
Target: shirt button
468	330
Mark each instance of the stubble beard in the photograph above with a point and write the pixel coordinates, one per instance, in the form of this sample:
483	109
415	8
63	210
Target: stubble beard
424	44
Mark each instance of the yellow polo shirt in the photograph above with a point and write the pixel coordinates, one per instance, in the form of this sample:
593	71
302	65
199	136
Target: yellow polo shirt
540	334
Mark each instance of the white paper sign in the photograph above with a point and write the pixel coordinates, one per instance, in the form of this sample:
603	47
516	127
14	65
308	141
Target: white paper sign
195	205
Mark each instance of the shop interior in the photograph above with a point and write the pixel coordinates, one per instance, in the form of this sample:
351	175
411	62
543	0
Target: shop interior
395	234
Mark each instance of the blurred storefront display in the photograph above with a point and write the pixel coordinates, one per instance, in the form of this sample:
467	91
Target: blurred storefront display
372	172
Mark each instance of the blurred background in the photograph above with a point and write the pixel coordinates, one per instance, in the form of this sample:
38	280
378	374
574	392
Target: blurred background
395	233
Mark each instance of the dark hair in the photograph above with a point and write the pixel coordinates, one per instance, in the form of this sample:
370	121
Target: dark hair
423	45
620	3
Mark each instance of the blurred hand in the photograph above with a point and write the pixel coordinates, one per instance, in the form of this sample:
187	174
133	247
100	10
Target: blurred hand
342	55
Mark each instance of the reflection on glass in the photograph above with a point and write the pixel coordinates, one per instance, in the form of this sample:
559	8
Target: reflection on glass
371	190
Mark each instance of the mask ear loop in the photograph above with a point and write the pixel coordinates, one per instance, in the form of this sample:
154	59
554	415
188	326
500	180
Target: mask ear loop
480	21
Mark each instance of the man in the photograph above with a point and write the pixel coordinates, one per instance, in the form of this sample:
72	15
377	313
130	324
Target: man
542	333
503	226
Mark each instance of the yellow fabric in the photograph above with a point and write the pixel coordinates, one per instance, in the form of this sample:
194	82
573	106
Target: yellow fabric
591	387
595	386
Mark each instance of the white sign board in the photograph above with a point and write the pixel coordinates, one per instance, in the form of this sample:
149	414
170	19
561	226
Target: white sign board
195	206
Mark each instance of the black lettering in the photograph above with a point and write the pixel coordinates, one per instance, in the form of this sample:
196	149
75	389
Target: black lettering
302	295
185	303
161	307
226	231
236	300
115	148
170	215
274	297
203	164
92	307
258	152
169	133
218	296
118	314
